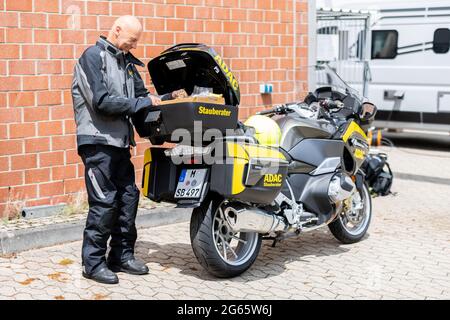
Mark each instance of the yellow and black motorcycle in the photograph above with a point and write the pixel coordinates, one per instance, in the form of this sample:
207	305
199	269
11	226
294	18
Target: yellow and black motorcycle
288	170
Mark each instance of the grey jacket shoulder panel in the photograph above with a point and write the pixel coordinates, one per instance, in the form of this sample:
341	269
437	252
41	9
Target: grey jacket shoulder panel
106	91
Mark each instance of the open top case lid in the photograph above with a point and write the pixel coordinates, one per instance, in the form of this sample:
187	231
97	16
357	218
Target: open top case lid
191	64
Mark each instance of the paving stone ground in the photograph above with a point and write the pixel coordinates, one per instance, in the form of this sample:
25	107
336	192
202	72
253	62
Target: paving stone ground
406	255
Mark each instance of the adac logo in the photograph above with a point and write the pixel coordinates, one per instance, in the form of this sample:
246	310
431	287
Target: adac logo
227	71
214	112
273	180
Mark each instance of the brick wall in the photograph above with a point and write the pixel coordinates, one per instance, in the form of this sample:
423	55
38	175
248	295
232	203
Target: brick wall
40	40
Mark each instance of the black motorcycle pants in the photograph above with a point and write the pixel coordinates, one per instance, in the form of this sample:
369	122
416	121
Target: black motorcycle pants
113	201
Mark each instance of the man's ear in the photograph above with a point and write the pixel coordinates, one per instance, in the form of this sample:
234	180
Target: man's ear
117	31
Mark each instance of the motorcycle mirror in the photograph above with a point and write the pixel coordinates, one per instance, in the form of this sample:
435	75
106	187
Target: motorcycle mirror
368	111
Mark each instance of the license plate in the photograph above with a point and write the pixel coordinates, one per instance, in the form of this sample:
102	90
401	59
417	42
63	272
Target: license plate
190	183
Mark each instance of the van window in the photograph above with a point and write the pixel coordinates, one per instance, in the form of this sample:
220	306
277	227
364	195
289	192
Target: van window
441	40
384	44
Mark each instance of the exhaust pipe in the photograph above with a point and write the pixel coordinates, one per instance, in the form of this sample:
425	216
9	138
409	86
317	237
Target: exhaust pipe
248	219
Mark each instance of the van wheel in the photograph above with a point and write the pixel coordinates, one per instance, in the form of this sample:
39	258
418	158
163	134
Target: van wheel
222	252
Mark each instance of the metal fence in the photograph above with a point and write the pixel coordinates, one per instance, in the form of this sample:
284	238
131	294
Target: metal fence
343	39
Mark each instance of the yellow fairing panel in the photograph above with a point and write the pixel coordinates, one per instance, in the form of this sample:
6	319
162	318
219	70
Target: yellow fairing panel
353	127
241	154
146	172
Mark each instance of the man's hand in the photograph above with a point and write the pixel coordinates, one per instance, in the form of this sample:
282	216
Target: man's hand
155	101
179	94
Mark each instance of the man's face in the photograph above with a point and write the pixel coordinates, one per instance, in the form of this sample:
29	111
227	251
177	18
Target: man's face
127	39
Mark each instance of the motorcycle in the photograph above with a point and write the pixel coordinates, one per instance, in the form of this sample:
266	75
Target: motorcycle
243	187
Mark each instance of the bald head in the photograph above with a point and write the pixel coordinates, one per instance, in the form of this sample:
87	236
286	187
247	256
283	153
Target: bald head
125	33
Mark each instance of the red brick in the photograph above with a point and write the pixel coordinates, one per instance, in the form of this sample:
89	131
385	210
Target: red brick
21	67
46	6
49	159
35	83
9	84
15	5
9	115
2	35
61	82
186	12
24	192
194	26
49	128
37	145
230	27
239	14
9	51
221	14
22	130
51	189
72	7
3	99
88	22
213	26
46	36
118	9
72	157
64	51
12	178
46	98
49	67
37	175
4	164
27	161
14	35
164	38
21	99
72	36
69	126
35	114
59	199
163	10
98	8
61	112
33	20
64	172
154	24
175	25
4	197
9	19
106	22
64	142
3	133
58	21
34	52
74	185
68	66
144	10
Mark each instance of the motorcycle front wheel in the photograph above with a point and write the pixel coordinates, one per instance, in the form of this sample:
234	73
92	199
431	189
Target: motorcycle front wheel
352	224
222	252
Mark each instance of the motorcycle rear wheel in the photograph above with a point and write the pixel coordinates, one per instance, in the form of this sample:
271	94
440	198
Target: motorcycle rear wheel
218	249
345	230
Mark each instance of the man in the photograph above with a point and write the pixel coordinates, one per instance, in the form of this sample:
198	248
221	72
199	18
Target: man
107	91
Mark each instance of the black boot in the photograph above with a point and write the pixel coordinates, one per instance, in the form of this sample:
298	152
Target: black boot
104	275
131	266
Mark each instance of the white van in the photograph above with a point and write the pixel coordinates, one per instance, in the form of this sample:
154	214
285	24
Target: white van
409	62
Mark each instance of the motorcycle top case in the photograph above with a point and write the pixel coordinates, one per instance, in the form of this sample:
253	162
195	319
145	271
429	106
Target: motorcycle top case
186	66
249	173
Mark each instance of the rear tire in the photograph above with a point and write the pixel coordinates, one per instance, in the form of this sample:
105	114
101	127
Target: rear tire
206	243
340	229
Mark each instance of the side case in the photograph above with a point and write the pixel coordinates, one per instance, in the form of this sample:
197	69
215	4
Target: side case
249	173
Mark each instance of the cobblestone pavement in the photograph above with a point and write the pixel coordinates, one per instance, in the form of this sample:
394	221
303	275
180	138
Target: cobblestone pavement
406	255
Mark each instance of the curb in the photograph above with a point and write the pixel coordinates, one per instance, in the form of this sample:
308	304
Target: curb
34	238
